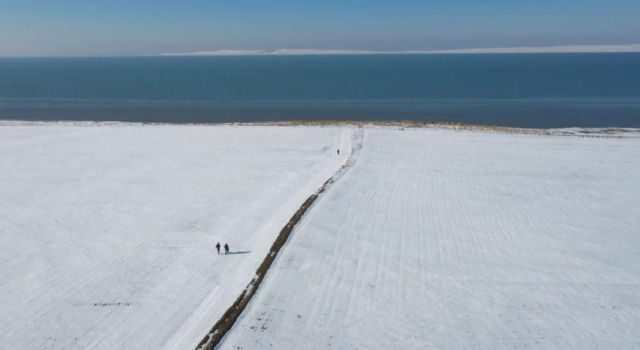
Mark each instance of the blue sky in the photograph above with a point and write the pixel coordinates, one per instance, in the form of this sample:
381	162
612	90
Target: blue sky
140	27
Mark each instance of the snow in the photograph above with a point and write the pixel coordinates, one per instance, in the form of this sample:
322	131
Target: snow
529	49
439	239
107	231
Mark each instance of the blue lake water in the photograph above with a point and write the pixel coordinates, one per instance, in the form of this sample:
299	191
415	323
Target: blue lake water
522	90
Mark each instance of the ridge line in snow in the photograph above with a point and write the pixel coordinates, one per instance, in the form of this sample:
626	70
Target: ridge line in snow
224	324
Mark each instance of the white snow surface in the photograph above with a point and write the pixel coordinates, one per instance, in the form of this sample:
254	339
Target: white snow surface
440	239
107	232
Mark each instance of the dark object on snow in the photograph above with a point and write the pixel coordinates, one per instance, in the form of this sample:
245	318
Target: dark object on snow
338	151
218	247
226	248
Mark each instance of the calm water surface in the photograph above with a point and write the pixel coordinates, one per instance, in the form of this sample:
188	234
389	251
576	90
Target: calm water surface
522	90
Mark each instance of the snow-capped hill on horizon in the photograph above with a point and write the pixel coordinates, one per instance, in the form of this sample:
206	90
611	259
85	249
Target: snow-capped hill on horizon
515	49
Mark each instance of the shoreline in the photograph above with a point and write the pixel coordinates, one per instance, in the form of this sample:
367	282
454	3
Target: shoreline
597	132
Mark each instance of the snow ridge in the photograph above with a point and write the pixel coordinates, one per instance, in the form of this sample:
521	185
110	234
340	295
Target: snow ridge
224	324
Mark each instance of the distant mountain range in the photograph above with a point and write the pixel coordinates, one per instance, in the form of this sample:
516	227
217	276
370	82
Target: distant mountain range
527	49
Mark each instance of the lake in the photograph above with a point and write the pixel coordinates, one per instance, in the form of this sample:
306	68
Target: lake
519	90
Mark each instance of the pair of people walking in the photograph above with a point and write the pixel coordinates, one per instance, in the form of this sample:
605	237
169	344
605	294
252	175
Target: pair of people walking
226	248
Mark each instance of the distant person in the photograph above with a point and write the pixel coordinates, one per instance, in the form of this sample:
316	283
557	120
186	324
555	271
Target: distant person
226	249
218	247
338	151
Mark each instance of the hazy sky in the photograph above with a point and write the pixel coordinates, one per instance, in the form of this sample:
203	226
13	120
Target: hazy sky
136	27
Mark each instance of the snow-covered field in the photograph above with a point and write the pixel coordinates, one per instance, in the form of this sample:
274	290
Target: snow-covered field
440	239
107	232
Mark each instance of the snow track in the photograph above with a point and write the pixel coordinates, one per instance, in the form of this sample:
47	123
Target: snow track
224	324
438	239
107	232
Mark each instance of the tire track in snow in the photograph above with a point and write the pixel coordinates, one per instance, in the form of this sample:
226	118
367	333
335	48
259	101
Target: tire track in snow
224	324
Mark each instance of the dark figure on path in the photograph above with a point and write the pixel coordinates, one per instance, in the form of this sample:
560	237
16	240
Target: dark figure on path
226	248
218	247
338	151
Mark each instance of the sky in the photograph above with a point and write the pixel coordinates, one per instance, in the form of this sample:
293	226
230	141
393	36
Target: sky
147	27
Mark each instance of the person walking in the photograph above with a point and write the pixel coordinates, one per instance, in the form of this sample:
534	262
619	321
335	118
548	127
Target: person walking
218	247
226	249
338	151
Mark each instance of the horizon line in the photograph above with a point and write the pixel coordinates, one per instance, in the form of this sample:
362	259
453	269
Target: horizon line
568	49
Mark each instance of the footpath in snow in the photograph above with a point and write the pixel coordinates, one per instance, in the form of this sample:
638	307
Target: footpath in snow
107	232
438	239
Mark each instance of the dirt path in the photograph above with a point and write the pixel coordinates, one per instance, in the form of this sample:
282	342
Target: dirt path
227	320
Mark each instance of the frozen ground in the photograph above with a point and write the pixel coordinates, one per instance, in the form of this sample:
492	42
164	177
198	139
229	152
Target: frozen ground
107	232
440	239
598	132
